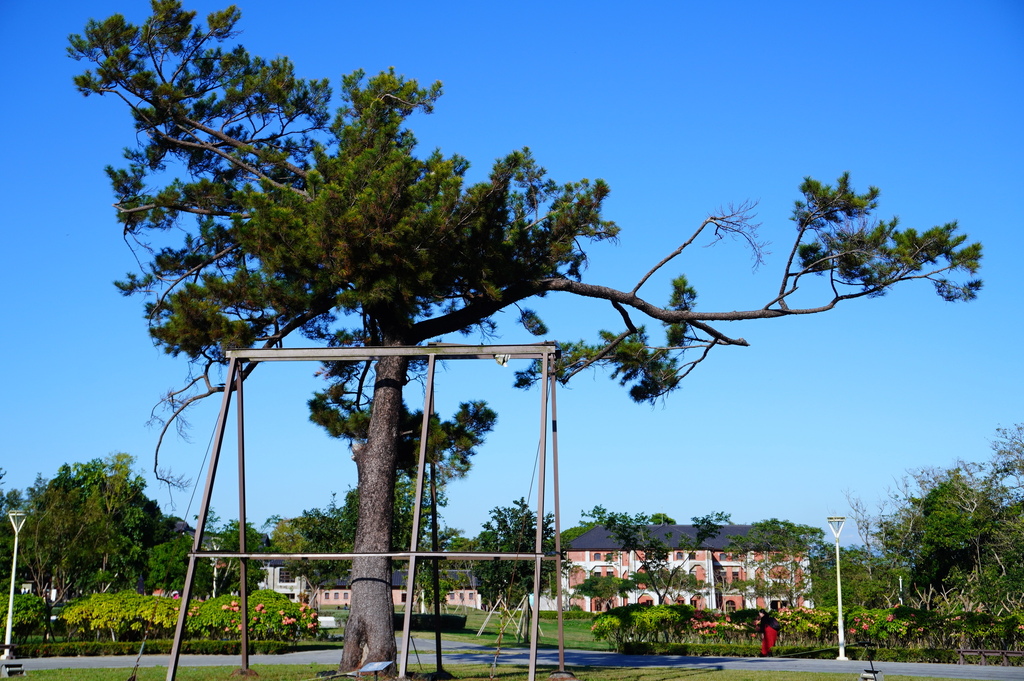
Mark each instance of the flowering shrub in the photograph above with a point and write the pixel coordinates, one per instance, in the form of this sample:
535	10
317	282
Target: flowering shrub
710	627
271	616
889	628
804	626
904	627
981	630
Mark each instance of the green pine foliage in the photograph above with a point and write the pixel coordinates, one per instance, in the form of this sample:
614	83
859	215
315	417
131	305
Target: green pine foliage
328	223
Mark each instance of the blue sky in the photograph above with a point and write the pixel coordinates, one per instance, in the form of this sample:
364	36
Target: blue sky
682	108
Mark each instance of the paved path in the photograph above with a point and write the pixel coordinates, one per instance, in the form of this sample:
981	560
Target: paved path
465	653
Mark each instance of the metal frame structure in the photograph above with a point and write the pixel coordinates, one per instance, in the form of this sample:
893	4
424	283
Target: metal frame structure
546	353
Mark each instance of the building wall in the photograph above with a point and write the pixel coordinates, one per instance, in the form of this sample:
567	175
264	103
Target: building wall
728	567
280	580
340	598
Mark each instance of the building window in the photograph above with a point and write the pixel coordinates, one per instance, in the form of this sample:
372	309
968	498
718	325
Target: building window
693	555
345	597
679	555
285	577
597	556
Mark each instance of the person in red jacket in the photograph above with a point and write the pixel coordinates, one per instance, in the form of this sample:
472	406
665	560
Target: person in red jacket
768	627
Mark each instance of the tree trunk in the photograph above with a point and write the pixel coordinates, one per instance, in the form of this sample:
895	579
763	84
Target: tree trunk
369	633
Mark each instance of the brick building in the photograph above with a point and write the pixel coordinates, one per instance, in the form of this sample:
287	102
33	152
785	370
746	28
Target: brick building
714	567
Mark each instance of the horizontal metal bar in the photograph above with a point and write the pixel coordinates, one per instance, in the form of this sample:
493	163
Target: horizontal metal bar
402	555
442	351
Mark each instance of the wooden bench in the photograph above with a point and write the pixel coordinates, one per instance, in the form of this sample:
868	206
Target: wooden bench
984	654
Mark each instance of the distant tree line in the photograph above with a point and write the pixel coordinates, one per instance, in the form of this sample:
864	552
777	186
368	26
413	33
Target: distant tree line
944	539
91	528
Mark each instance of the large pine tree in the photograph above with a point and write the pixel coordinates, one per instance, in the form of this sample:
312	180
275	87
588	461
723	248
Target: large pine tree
300	221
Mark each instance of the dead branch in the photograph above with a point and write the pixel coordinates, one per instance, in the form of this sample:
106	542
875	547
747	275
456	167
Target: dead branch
736	221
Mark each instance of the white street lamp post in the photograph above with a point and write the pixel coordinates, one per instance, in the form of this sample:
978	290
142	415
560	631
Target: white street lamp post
836	523
17	519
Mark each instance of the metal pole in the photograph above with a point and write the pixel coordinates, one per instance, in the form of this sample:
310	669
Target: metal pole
439	672
428	409
17	520
561	672
243	563
839	599
204	510
539	537
836	523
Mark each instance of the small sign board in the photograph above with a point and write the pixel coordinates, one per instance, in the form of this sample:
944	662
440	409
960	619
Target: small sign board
374	667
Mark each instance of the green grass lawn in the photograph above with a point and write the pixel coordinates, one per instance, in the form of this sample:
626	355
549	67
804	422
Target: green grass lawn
576	632
577	636
464	672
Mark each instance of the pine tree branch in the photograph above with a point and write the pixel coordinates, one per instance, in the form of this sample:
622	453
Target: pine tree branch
737	221
173	283
183	208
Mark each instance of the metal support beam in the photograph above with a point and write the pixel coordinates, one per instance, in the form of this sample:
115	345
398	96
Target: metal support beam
204	509
243	562
547	353
410	575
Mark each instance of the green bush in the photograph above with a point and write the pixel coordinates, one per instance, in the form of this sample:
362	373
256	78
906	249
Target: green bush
668	624
904	627
125	616
161	647
28	617
807	629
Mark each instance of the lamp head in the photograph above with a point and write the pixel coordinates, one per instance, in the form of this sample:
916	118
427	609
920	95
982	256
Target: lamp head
836	523
17	519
